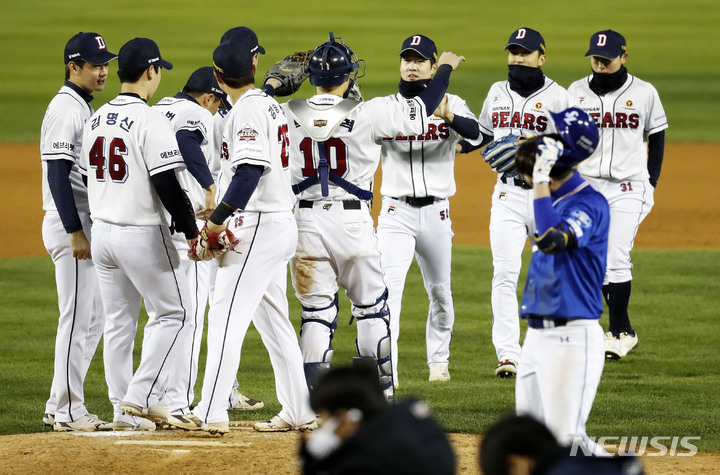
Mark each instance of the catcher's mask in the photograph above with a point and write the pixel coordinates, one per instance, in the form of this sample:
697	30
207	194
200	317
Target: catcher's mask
332	63
580	134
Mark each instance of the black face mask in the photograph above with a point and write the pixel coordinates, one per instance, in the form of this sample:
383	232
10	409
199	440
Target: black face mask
602	83
413	88
525	80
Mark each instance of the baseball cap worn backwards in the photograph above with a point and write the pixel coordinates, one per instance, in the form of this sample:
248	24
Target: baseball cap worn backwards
89	47
607	44
203	80
422	45
527	38
139	53
245	36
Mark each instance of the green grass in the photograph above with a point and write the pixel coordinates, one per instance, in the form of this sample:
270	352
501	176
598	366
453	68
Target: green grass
667	40
668	387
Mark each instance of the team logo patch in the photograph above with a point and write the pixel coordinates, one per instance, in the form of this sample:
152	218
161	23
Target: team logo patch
247	133
319	123
629	103
327	206
582	218
391	210
538	105
502	196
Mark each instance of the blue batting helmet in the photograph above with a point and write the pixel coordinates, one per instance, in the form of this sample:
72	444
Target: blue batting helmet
579	133
332	63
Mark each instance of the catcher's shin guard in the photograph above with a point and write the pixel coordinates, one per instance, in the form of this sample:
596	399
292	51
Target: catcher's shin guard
317	329
313	371
374	341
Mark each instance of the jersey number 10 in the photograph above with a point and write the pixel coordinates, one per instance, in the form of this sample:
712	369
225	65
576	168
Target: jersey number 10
114	163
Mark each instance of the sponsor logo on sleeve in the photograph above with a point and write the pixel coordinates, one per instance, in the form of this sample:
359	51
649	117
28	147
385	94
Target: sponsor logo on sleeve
169	154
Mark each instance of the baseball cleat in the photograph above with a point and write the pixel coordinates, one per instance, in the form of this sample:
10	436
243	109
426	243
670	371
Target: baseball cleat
87	423
157	413
612	347
439	372
506	369
187	421
142	425
48	420
244	403
627	343
277	424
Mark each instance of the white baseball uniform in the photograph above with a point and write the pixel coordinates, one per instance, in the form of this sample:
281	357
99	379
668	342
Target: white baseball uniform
251	281
618	168
124	144
506	112
337	239
418	177
185	113
81	317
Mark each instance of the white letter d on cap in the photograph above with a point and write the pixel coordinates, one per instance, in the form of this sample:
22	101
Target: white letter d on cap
602	40
521	34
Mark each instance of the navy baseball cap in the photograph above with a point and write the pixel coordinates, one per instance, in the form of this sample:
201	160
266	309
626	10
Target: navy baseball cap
203	80
245	36
88	47
139	53
233	59
527	38
422	45
607	44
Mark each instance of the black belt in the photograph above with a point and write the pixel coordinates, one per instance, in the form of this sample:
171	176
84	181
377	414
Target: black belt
547	322
515	180
348	204
417	202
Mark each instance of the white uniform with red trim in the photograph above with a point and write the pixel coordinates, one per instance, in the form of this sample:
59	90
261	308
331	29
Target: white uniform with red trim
506	112
618	168
81	318
251	281
420	166
337	239
124	144
187	114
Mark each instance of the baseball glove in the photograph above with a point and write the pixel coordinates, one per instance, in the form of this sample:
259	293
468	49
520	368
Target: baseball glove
500	154
209	244
291	72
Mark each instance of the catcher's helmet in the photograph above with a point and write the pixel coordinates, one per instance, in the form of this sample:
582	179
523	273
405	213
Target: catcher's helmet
332	63
580	134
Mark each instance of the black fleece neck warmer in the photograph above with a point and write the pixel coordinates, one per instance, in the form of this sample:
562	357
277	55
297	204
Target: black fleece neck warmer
525	80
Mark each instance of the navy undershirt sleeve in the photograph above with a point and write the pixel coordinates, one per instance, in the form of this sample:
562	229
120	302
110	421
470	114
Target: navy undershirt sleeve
545	215
58	174
434	93
467	147
466	127
243	185
656	151
176	202
189	143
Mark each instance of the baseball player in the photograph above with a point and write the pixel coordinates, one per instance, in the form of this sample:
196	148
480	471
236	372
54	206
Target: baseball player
130	156
417	180
66	232
191	113
519	106
562	355
256	214
335	150
625	168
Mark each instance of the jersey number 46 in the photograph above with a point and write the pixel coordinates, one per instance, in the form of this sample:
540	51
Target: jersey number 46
113	162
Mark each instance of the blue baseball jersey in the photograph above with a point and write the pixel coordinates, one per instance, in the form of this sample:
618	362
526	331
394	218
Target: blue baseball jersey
569	284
